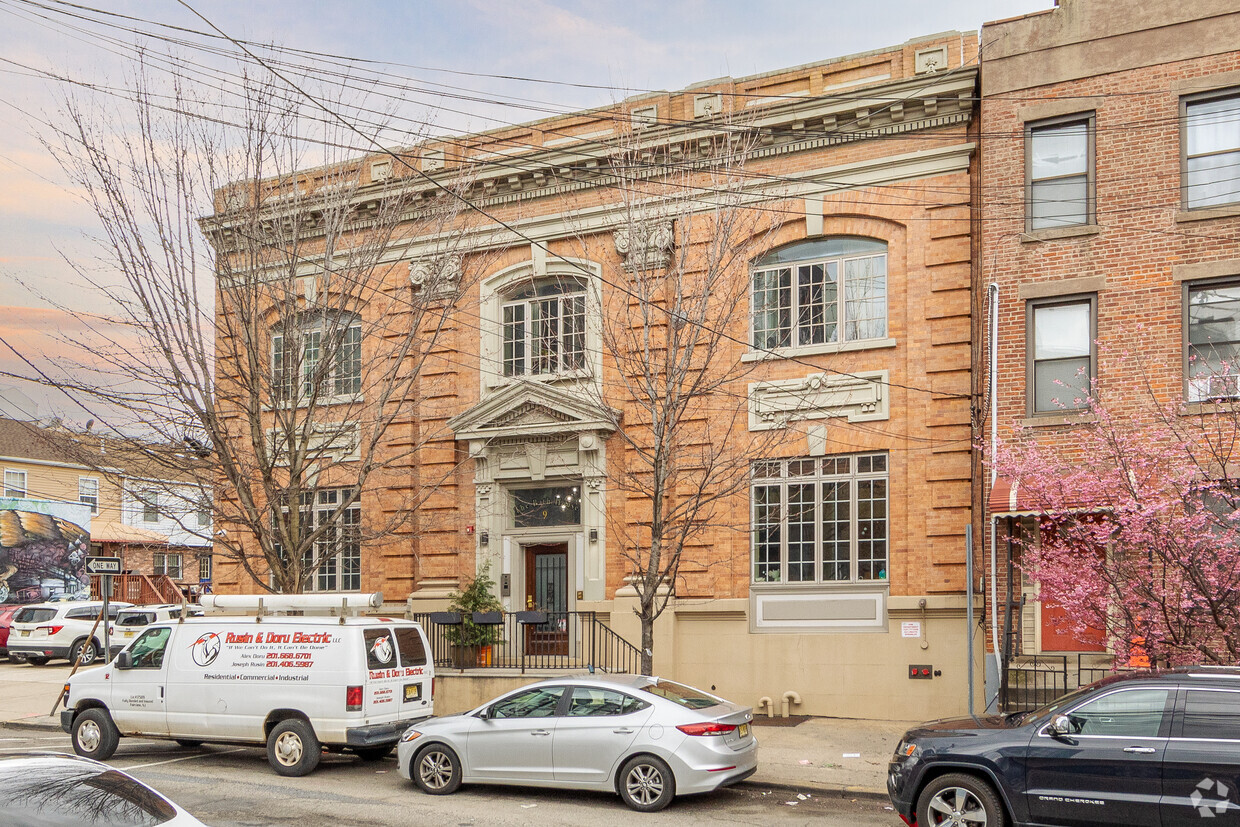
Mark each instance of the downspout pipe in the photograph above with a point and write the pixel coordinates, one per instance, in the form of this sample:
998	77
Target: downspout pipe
992	293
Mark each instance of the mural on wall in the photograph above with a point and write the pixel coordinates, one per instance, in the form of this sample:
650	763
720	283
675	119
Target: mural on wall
42	552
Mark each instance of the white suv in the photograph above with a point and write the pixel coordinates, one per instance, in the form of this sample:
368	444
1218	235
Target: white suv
131	622
42	631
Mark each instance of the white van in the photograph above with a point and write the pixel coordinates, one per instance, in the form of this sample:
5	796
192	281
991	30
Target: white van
296	684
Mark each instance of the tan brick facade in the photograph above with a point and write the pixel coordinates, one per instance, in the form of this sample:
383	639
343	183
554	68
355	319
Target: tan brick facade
859	147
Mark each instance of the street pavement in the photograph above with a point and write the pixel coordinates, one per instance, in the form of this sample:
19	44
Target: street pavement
832	757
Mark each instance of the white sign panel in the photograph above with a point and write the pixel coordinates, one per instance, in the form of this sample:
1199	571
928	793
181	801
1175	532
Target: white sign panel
910	628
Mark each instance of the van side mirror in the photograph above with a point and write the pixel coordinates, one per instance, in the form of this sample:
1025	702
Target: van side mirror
1060	725
124	661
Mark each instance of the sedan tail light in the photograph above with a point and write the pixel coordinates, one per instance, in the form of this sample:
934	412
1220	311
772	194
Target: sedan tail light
52	630
353	699
713	728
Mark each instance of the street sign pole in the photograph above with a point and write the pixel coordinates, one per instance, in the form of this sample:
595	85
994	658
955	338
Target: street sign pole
105	567
107	592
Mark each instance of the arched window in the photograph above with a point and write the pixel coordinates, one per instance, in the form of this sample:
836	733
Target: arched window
820	292
545	328
317	348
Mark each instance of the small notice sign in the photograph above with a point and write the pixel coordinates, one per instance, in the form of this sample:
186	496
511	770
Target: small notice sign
910	628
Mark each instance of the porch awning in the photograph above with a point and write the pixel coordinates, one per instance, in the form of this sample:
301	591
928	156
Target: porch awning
107	531
1007	500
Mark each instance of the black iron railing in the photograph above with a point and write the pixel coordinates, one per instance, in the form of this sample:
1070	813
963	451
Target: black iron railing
528	640
1030	681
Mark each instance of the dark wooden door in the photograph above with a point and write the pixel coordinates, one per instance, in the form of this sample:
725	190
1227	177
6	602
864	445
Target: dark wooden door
546	589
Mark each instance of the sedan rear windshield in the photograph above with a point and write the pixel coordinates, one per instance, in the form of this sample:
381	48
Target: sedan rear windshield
34	615
686	696
73	796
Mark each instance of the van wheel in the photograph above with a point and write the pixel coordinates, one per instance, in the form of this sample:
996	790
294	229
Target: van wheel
189	743
647	784
374	753
436	770
83	652
293	749
94	735
959	799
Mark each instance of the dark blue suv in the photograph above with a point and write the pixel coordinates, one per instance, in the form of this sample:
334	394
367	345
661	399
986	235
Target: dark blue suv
1154	749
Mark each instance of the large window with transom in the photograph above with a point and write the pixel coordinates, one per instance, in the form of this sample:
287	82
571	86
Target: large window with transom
544	324
820	292
820	520
317	357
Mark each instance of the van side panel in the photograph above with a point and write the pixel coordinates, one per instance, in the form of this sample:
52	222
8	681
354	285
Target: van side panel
226	677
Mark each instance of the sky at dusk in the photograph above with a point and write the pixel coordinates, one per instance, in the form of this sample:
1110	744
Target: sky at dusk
593	54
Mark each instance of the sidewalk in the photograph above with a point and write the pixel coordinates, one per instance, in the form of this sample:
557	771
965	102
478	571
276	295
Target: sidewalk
838	757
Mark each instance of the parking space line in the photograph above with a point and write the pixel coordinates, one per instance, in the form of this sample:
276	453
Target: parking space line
184	758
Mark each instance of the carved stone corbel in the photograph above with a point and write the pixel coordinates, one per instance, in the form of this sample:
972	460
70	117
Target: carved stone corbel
645	245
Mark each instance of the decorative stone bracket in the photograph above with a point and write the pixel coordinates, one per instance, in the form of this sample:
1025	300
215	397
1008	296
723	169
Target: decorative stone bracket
645	245
861	397
436	275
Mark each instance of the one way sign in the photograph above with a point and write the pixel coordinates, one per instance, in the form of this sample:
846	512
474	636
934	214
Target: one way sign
103	565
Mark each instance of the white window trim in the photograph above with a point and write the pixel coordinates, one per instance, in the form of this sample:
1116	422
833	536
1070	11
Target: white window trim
25	486
82	480
853	477
755	354
493	299
162	557
302	400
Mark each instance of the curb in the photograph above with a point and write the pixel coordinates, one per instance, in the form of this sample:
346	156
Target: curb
31	724
830	790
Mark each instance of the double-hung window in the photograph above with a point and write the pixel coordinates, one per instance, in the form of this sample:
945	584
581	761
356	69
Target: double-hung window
821	520
820	292
1211	149
1059	164
88	492
1212	341
169	564
334	563
14	484
319	357
1062	360
544	329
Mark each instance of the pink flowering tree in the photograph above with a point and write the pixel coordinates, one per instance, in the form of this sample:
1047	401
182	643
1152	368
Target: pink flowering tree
1140	533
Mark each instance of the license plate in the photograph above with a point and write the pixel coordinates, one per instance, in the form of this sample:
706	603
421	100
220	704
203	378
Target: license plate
744	730
413	692
25	633
130	634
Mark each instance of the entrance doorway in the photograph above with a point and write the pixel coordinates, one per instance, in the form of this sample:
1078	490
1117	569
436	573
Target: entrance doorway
546	589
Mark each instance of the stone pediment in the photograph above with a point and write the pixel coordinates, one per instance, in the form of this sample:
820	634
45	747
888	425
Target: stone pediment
530	409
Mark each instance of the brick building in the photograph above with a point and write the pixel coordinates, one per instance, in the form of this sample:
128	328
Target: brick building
1110	209
839	558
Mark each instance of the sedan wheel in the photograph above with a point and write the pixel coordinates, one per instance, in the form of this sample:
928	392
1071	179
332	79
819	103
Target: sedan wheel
437	770
959	801
647	784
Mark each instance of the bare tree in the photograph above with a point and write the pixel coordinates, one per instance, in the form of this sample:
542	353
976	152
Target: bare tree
674	322
267	318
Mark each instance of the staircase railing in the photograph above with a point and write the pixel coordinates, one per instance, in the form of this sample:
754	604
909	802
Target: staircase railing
532	640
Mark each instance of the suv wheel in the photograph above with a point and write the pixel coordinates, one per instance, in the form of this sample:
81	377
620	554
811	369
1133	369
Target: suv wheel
959	799
94	735
293	749
84	652
37	660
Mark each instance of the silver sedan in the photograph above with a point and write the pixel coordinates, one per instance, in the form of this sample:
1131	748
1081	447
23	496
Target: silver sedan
644	738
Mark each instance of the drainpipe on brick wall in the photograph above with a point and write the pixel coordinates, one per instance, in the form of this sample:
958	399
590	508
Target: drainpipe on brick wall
992	293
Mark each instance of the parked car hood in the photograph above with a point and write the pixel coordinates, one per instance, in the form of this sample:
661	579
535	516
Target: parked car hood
962	725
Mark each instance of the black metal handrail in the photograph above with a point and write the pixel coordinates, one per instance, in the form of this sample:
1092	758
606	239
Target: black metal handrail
529	640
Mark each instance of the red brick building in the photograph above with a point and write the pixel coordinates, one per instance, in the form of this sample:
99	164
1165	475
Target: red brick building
1110	210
